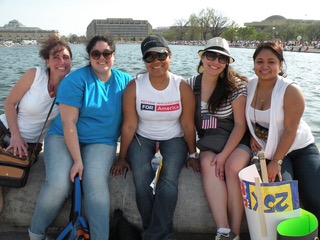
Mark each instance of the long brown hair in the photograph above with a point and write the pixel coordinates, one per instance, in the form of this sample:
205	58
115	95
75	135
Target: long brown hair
227	82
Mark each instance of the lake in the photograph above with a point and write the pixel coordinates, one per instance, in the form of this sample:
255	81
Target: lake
301	67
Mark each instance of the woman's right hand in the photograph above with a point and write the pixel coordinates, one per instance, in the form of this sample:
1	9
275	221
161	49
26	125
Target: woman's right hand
254	145
219	160
17	146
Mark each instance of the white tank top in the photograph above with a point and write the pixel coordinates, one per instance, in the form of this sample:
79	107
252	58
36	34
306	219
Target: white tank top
33	109
159	110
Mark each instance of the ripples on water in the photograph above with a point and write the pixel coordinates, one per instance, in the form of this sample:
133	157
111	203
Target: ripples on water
301	67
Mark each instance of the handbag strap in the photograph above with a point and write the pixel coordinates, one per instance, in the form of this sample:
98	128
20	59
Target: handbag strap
197	93
3	130
44	125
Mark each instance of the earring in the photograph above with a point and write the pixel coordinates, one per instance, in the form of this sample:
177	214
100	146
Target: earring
201	69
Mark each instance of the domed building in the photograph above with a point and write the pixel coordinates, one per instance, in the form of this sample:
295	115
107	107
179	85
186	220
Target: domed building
276	20
16	32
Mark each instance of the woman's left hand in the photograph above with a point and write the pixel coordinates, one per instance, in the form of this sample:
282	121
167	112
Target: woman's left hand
274	170
254	145
77	169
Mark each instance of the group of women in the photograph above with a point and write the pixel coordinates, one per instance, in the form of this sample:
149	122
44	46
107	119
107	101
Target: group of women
158	110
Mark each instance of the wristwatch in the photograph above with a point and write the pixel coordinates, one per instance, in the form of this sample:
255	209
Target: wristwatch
194	155
279	161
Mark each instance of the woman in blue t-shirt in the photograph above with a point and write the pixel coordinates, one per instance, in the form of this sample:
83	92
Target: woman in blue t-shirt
83	140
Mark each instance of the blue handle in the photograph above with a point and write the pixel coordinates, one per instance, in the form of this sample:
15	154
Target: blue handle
77	196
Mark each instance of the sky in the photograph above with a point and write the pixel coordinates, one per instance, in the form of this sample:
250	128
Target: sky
73	16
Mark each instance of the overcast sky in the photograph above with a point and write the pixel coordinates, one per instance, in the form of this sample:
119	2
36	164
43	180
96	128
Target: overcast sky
73	16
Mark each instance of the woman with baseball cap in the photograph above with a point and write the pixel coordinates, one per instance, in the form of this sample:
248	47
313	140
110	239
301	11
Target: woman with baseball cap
223	140
158	109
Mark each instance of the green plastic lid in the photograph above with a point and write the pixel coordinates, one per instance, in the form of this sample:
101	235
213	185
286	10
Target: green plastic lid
299	226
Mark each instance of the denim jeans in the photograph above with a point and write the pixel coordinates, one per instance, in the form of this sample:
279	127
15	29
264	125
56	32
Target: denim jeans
157	210
304	165
97	160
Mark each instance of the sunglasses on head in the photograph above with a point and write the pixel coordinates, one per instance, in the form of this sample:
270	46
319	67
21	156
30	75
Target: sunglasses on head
211	56
152	56
95	54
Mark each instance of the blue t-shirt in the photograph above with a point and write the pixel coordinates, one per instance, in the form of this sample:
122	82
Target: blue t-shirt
99	103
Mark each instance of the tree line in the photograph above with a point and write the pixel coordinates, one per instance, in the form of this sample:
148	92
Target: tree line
210	23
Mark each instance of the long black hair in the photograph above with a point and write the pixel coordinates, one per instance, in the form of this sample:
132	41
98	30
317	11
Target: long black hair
228	80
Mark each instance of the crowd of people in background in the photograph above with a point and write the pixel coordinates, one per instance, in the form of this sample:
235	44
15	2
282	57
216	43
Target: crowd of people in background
297	46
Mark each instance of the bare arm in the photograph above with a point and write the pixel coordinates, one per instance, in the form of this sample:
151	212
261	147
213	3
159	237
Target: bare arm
17	144
129	127
240	125
69	117
294	105
187	122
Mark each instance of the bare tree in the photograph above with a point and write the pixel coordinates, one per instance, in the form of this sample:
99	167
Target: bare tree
313	32
203	21
181	28
212	22
284	32
193	28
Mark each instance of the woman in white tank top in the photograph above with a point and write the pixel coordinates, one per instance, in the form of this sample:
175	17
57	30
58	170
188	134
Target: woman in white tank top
33	94
158	109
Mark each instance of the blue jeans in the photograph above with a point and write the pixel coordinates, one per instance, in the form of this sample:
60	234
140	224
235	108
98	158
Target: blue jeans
97	160
304	165
157	210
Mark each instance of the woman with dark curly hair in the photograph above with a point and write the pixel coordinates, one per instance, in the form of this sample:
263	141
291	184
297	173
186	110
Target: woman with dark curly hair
33	95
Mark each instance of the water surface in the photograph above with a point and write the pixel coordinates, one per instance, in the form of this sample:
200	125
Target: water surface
301	67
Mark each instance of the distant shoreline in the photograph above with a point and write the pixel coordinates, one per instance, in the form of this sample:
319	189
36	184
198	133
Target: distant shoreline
304	49
295	49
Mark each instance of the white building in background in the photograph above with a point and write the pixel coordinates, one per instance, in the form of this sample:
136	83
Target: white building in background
125	29
17	32
29	42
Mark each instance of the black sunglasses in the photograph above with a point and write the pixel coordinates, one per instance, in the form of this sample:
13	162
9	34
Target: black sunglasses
211	56
151	57
95	54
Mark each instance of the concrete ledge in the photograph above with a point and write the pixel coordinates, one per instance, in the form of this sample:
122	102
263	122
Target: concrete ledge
192	212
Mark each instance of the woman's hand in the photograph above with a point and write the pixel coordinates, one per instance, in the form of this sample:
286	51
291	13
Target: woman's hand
17	146
120	167
194	164
77	168
254	145
274	170
220	161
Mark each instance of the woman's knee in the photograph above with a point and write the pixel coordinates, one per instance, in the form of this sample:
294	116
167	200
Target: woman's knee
59	187
237	160
206	158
